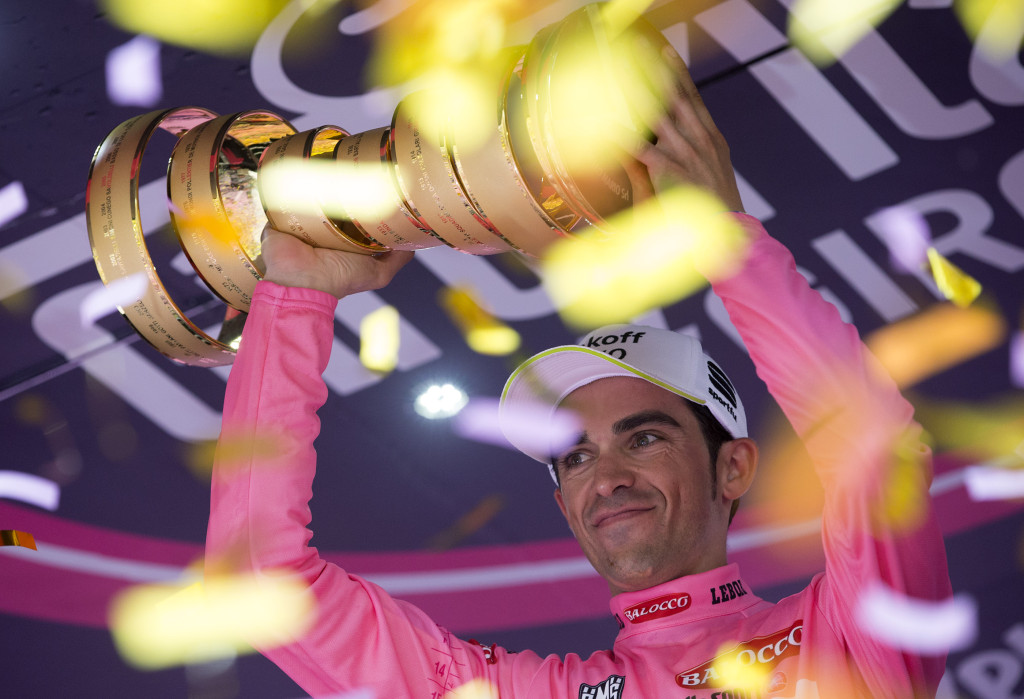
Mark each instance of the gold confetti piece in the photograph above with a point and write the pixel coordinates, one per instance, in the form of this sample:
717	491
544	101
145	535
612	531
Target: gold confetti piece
619	14
467	525
13	537
902	503
215	26
731	668
439	35
379	339
222	229
653	259
33	409
461	96
976	432
995	25
483	332
954	284
232	452
474	689
311	186
935	340
826	29
158	626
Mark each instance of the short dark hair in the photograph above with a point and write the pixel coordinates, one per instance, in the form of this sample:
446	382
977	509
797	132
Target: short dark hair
714	434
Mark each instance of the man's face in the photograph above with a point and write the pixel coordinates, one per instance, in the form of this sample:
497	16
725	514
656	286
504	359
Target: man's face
637	490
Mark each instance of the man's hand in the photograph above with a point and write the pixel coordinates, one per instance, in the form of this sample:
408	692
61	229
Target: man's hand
690	150
292	262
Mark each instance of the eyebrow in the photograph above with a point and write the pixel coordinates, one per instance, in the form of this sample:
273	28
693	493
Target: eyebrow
631	422
646	417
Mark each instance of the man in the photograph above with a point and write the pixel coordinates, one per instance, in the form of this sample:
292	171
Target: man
648	488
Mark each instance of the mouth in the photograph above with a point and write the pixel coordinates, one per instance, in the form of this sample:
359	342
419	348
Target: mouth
607	518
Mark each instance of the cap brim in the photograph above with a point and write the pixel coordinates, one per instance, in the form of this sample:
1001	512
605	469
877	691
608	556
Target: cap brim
543	382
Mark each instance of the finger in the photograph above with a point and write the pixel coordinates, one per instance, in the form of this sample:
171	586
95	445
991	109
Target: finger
639	180
632	143
690	108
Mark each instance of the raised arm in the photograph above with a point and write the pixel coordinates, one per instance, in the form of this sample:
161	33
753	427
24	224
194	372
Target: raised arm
263	482
857	427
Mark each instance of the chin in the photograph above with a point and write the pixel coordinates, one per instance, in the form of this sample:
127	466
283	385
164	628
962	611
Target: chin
636	579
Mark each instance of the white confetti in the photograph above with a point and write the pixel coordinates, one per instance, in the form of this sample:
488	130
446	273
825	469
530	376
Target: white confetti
905	233
915	625
1017	359
25	487
13	202
357	694
108	298
994	482
536	428
133	73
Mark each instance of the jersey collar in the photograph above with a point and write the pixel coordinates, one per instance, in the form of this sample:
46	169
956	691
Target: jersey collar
693	597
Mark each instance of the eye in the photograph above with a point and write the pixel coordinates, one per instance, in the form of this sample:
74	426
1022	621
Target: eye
645	439
571	460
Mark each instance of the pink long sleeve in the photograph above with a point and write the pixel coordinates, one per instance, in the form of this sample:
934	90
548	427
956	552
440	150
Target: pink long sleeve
858	430
260	515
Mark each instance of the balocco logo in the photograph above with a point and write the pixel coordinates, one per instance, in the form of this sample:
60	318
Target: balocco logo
657	608
763	650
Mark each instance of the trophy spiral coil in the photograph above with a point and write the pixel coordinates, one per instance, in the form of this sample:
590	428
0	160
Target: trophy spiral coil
520	188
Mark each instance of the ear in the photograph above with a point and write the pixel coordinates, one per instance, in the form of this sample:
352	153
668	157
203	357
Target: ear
561	503
737	466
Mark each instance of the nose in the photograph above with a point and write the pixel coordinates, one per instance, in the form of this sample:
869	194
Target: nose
612	472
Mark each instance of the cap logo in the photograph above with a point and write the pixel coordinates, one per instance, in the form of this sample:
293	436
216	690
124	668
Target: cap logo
601	342
720	381
726	394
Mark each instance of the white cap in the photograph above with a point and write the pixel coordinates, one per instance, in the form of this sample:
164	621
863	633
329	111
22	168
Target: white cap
671	360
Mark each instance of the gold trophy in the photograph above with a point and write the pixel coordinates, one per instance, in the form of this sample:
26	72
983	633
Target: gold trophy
527	183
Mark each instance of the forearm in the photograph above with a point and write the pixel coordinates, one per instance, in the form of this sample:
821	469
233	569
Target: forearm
265	460
813	363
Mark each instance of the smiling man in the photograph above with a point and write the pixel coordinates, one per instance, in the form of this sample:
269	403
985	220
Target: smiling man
648	488
651	485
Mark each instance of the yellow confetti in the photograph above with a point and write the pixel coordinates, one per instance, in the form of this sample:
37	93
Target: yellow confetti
825	29
214	26
954	284
157	626
599	88
13	537
232	452
653	261
734	669
619	14
902	503
312	186
459	98
16	293
931	342
379	339
474	689
440	35
483	332
995	25
976	432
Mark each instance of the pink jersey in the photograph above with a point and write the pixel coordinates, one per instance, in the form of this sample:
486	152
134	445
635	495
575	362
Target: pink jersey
809	645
